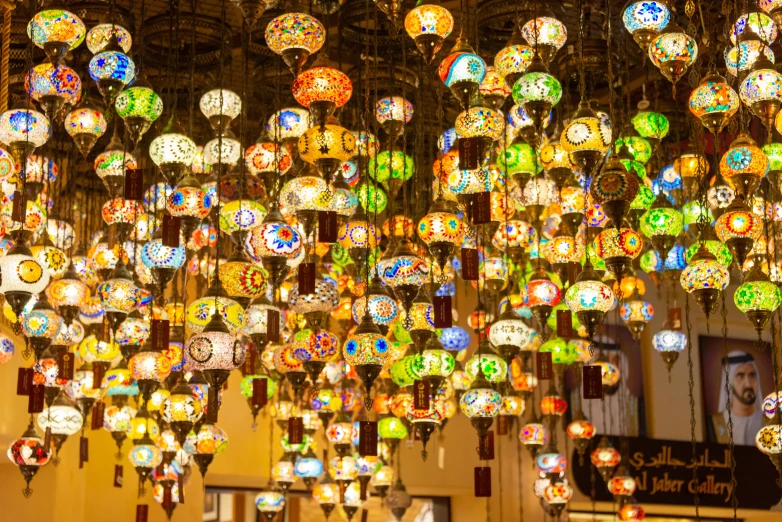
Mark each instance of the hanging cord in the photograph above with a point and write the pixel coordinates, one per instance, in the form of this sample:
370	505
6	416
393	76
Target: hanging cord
691	386
5	52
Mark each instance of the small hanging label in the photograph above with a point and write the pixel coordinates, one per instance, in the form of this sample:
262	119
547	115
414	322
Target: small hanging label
97	415
441	457
502	425
167	501
273	326
443	317
675	319
212	404
159	334
592	377
470	264
97	375
35	400
421	390
367	438
327	226
468	153
84	451
482	481
117	475
481	208
24	381
19	207
544	365
260	389
142	513
171	227
306	278
65	366
47	439
248	368
105	331
564	324
573	269
486	446
134	184
181	483
295	430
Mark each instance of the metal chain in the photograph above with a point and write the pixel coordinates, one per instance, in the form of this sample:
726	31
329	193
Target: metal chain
729	406
691	386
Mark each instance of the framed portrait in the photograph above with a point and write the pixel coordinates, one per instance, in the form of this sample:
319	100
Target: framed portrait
211	507
737	384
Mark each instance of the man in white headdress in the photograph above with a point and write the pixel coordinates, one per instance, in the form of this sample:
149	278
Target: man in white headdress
745	400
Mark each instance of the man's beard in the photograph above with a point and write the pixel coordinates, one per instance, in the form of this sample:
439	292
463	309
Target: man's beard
747	396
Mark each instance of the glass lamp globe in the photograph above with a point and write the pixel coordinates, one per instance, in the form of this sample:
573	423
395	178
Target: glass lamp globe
393	112
172	151
537	91
546	34
288	124
586	137
326	494
462	72
428	24
644	20
220	106
21	277
267	158
738	227
512	60
705	278
85	124
215	352
387	166
323	300
618	248
441	230
672	51
669	344
480	122
494	89
589	298
480	404
241	278
322	90
100	35
109	165
56	31
761	91
662	223
63	418
138	106
28	453
367	351
295	36
224	150
23	130
605	458
743	56
757	297
759	23
486	363
270	503
274	242
744	165
327	147
714	102
112	70
52	86
649	124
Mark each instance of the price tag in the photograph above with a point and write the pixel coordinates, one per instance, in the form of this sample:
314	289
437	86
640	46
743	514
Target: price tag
24	381
36	399
118	475
468	153
295	430
84	451
481	208
502	425
134	184
273	326
327	226
97	375
19	207
592	377
260	390
544	365
181	482
306	278
486	446
565	324
97	415
675	319
159	334
367	438
482	481
421	391
167	502
47	439
105	331
443	317
248	368
65	366
142	513
470	264
171	227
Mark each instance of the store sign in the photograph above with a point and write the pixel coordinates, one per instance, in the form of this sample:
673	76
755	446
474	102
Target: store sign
663	470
